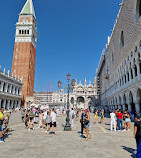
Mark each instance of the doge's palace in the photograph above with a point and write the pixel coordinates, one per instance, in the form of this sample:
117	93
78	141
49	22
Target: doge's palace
119	70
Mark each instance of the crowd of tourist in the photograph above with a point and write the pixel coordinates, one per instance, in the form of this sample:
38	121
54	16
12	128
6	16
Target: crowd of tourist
46	118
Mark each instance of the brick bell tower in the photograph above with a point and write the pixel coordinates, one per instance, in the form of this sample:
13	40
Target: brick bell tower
25	49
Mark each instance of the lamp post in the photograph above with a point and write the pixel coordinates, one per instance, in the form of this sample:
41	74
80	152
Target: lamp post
69	87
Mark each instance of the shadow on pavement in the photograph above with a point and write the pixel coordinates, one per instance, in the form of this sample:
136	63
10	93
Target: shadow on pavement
130	150
107	124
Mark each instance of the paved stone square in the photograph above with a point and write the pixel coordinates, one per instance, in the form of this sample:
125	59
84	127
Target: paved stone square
36	144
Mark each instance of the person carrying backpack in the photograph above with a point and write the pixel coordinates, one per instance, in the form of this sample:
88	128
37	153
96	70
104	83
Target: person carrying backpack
137	131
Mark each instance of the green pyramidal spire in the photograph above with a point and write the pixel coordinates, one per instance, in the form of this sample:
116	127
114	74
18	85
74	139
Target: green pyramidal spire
28	9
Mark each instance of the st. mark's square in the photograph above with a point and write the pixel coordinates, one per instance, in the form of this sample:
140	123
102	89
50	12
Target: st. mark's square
70	79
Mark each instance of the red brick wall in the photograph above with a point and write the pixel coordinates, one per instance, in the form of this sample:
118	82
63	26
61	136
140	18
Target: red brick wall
24	57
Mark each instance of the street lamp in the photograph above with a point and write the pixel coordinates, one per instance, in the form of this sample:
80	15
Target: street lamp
69	87
59	84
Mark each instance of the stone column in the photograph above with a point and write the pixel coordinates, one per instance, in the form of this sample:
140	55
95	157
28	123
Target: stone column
137	106
138	70
16	104
0	102
12	105
5	88
1	86
133	69
123	107
126	78
130	79
4	103
8	104
13	90
10	88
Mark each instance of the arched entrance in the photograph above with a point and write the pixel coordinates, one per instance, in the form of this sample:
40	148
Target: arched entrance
139	98
124	101
120	106
80	102
131	101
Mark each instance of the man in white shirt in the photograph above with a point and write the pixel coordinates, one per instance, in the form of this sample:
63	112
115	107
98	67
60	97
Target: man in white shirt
72	117
53	119
113	120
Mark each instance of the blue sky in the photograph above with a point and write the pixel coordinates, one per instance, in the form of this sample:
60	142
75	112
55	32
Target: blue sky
72	34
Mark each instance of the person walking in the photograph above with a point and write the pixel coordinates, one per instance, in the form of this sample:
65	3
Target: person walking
127	121
48	122
102	115
137	130
82	122
72	117
26	119
31	119
113	120
44	118
23	115
87	124
53	120
96	113
40	119
120	118
1	124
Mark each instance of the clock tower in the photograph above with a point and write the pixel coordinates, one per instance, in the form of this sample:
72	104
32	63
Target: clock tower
23	65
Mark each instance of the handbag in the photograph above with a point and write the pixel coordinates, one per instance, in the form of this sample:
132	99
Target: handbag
86	122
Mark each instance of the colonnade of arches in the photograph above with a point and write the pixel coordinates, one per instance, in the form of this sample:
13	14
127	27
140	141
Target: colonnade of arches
9	88
129	100
9	104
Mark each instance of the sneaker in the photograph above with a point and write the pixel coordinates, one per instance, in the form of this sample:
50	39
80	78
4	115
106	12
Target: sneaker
124	130
128	130
119	130
29	129
46	132
2	141
33	128
135	152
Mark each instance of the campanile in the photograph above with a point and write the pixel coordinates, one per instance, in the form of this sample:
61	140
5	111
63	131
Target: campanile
25	48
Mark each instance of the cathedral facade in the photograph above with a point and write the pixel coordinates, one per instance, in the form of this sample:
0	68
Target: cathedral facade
84	95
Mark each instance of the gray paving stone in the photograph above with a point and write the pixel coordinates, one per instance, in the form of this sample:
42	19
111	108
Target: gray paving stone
36	144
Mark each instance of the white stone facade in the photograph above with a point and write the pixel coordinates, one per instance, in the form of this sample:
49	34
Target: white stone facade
83	96
10	91
51	98
120	71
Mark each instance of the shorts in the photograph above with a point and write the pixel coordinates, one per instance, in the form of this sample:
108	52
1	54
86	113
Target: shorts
1	129
88	125
127	120
31	121
54	124
48	124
